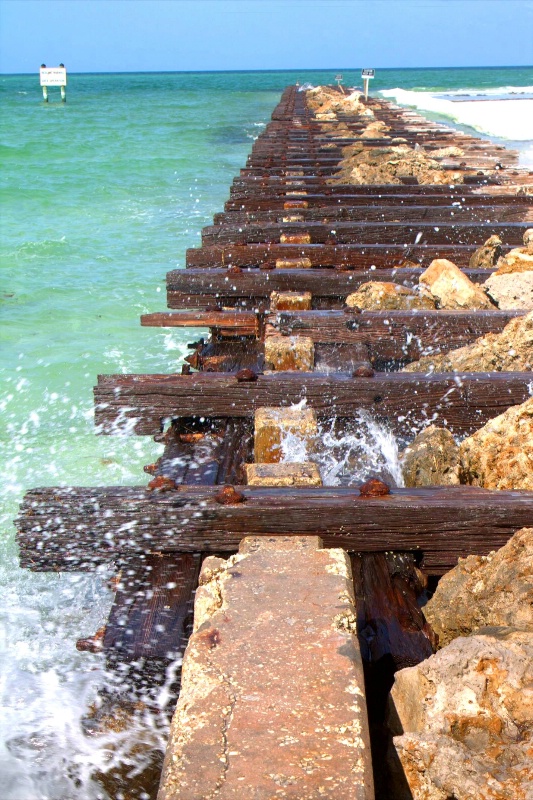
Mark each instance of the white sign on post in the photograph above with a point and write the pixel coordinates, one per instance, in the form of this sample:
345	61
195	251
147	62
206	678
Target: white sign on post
53	76
368	73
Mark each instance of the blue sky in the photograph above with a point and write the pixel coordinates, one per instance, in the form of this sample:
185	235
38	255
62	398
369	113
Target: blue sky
146	35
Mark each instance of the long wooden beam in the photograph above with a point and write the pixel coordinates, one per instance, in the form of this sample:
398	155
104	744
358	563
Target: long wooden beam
75	528
462	401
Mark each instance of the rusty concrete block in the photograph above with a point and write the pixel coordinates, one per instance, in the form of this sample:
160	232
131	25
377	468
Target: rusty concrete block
295	238
290	301
272	700
296	353
273	424
293	263
288	473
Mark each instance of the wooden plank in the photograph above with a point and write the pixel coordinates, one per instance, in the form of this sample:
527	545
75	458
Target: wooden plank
241	322
75	528
462	401
424	232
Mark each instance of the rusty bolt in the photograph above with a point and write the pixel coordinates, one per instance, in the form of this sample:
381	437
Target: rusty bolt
185	369
150	468
363	371
373	487
246	376
161	484
267	265
228	496
233	269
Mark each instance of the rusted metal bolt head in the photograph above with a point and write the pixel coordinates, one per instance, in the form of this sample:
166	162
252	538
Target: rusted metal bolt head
233	269
351	309
267	265
150	468
161	484
229	496
363	371
246	376
373	487
185	369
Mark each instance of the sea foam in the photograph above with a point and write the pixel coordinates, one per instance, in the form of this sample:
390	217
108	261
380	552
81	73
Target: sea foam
506	112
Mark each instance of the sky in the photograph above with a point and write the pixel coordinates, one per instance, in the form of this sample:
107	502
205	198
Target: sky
175	35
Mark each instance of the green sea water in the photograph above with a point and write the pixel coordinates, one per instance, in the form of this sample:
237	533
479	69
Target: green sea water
101	196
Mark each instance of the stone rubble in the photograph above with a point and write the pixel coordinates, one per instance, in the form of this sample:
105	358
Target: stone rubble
386	296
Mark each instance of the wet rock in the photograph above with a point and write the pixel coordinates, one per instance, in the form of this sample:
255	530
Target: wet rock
382	295
487	255
432	459
511	290
500	455
462	720
290	353
520	259
508	351
451	288
375	130
481	591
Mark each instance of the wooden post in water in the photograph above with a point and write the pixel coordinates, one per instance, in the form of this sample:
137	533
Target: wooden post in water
53	76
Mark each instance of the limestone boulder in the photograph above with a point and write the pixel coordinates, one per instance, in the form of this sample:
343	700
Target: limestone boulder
389	165
508	351
432	459
382	295
487	255
451	288
462	720
500	455
511	290
481	591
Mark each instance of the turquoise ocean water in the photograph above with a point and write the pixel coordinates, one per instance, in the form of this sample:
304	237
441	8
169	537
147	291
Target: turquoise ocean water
100	198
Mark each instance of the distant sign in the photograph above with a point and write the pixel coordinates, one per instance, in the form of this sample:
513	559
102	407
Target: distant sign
53	76
368	73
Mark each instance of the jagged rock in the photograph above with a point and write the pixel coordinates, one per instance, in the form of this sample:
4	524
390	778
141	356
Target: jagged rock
451	288
432	459
380	165
500	455
326	101
488	590
375	130
508	351
465	720
382	295
514	290
487	255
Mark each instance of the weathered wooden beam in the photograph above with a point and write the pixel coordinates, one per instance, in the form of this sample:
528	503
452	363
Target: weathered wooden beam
239	322
462	401
194	288
79	528
423	232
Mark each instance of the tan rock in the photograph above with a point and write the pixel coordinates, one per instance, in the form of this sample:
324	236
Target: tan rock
295	238
500	455
287	473
487	255
378	165
508	351
511	291
274	425
517	260
465	720
290	301
382	295
432	459
290	353
272	698
481	591
451	288
293	263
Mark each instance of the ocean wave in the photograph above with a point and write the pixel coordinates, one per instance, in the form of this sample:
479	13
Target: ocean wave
513	120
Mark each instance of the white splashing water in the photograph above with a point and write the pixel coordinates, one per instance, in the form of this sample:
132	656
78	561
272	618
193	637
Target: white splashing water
364	447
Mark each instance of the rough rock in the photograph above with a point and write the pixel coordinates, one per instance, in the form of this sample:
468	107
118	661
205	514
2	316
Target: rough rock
500	455
462	720
382	295
520	259
327	101
381	165
287	473
432	459
375	130
513	290
451	288
272	701
508	351
481	591
296	353
487	255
